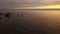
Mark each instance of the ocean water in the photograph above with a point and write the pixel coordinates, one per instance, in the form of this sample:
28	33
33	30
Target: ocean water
29	21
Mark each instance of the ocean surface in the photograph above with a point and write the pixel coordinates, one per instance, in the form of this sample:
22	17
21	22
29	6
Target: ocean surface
29	21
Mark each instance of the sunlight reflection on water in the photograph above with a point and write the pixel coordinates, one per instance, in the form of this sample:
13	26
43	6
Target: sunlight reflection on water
33	21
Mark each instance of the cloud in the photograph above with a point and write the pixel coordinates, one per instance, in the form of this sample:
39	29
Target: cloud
14	3
7	3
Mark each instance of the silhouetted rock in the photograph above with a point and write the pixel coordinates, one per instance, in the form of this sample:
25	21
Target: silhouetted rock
0	18
1	13
7	15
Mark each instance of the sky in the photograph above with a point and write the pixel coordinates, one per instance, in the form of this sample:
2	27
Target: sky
20	3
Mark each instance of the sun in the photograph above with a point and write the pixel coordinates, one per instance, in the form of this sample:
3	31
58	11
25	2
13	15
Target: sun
56	6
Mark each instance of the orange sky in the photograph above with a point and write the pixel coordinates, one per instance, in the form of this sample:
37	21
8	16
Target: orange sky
56	6
14	3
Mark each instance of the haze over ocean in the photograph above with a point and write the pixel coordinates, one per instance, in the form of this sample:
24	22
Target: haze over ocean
29	21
